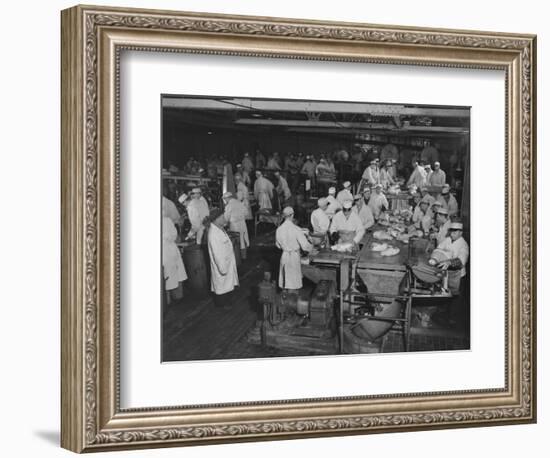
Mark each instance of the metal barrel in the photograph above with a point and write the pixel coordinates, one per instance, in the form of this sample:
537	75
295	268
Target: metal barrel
236	240
194	260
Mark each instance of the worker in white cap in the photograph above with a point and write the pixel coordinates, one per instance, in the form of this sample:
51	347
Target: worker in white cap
235	214
243	174
441	223
363	210
247	163
345	194
448	201
378	202
283	191
173	268
197	210
320	222
458	252
223	266
386	174
263	191
242	196
422	217
418	175
371	175
424	193
438	176
333	204
349	222
308	169
290	238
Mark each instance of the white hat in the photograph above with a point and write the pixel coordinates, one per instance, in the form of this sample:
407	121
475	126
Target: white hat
182	198
442	211
347	184
321	202
372	162
227	195
347	204
239	166
456	226
376	186
332	190
367	189
288	211
445	189
437	203
357	197
196	191
437	163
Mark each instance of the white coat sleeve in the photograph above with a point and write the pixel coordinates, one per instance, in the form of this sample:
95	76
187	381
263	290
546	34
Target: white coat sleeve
359	231
302	240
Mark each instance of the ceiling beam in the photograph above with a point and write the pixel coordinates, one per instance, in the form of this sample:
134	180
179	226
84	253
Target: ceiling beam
241	104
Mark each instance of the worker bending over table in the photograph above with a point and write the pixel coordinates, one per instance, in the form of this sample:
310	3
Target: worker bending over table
346	225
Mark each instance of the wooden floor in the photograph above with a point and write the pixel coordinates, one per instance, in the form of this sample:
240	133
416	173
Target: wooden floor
194	329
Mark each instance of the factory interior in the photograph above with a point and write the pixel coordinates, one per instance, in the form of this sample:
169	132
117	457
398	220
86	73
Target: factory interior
304	228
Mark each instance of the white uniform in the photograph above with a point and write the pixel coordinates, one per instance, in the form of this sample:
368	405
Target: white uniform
290	239
170	210
320	221
242	195
458	249
174	270
223	267
344	195
351	223
235	214
371	176
333	206
376	202
451	206
386	178
418	177
247	164
443	231
365	214
282	188
263	190
437	178
422	220
197	210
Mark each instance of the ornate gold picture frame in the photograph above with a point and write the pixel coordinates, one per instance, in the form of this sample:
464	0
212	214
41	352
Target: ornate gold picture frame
92	40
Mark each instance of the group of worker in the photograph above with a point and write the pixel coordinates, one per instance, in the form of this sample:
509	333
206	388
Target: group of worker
208	227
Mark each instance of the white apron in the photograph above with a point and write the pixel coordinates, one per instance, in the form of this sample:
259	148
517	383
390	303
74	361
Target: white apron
290	239
235	214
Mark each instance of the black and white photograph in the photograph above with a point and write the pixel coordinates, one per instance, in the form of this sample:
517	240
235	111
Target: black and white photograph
312	227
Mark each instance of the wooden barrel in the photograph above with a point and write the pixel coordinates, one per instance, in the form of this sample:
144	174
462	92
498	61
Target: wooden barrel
194	260
236	240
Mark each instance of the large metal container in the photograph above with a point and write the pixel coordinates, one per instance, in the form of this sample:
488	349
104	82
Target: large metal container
194	260
236	241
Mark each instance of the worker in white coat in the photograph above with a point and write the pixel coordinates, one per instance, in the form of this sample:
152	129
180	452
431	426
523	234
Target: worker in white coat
441	223
283	190
170	210
263	191
235	215
242	196
197	210
371	175
172	263
458	252
290	238
347	221
345	194
448	201
422	216
333	204
363	210
248	165
378	202
223	266
320	222
418	175
438	176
